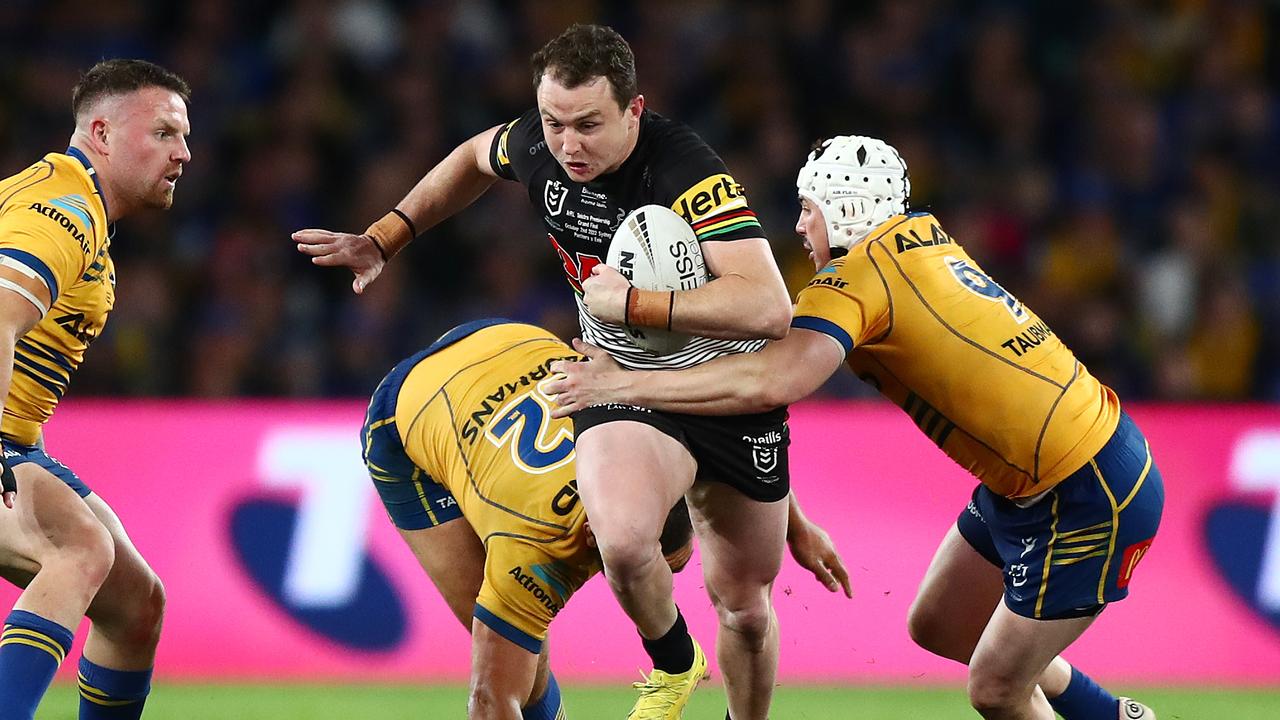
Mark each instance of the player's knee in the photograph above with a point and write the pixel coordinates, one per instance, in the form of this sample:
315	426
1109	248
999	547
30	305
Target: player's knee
483	702
146	613
924	627
990	694
750	617
87	550
628	560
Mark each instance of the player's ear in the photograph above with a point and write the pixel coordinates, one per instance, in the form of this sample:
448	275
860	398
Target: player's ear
99	134
591	537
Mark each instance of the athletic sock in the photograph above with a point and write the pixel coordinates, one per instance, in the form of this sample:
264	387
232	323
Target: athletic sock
548	707
1085	700
31	649
673	652
107	694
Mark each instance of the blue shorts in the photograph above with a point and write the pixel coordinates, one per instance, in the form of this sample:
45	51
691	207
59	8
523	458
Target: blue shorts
412	498
16	454
1075	549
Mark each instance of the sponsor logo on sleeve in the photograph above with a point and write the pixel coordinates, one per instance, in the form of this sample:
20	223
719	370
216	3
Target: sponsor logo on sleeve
54	212
712	195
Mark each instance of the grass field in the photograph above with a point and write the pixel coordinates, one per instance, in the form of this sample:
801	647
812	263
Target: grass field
402	702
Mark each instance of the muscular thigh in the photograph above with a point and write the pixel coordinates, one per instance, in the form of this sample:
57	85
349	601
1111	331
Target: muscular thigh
742	539
630	474
46	514
959	592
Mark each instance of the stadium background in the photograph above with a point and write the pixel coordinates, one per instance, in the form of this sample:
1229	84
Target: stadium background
1114	164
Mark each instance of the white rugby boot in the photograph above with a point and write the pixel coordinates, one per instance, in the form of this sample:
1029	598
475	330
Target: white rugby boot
1134	710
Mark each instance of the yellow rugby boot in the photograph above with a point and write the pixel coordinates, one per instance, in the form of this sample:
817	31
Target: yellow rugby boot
663	696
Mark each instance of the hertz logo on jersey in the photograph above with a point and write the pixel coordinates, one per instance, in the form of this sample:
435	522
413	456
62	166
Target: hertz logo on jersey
714	194
715	206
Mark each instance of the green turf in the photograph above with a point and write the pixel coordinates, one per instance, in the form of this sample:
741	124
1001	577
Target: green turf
798	702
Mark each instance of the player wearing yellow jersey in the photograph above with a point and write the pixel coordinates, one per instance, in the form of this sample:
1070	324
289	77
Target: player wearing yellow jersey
463	429
58	540
1069	498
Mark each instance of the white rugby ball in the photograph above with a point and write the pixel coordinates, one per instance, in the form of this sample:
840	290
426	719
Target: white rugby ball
655	249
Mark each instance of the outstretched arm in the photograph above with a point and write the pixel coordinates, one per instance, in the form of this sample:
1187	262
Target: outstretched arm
449	187
783	372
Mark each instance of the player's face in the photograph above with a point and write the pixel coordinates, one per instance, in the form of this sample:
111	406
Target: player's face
813	229
148	147
586	131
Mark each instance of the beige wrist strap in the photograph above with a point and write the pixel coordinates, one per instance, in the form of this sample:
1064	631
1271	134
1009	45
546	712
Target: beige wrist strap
649	308
391	233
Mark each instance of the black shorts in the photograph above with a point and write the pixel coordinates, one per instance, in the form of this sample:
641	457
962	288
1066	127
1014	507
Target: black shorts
746	452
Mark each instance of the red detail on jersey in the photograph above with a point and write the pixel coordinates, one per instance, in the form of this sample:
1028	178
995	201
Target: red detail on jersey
578	269
1132	555
721	218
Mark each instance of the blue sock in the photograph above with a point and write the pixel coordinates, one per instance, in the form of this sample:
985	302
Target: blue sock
1084	700
549	707
31	649
107	694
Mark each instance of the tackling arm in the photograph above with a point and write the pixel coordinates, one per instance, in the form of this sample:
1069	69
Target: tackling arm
783	372
449	187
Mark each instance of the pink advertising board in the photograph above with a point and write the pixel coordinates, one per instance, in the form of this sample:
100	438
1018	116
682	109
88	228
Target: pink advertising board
279	563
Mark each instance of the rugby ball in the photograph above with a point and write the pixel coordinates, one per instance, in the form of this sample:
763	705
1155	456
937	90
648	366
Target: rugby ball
655	249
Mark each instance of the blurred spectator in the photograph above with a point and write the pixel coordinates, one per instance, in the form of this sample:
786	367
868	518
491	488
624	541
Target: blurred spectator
1116	164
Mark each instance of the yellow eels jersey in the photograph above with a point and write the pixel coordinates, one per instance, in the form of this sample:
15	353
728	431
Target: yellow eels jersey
469	415
53	226
978	372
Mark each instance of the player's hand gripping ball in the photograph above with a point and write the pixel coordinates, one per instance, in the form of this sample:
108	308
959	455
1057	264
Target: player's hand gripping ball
655	249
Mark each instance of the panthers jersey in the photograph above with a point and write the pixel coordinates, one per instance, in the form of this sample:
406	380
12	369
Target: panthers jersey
472	419
670	166
53	226
978	372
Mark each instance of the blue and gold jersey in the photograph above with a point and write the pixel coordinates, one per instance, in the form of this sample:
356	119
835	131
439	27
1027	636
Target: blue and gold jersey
978	372
53	226
468	414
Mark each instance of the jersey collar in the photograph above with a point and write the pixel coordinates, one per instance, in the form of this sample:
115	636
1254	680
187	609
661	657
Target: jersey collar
93	175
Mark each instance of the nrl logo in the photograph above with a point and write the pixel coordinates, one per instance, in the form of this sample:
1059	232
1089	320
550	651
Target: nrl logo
553	195
764	458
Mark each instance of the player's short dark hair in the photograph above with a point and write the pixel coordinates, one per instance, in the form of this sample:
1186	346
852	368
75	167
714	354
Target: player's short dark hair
678	530
585	52
120	76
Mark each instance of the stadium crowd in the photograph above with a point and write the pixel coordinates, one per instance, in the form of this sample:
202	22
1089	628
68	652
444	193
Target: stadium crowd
1114	164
